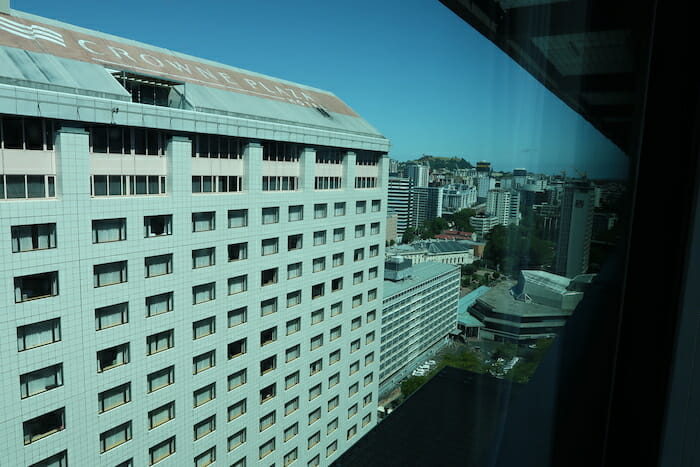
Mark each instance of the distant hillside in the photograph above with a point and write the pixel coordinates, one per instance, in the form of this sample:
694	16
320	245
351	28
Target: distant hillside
445	162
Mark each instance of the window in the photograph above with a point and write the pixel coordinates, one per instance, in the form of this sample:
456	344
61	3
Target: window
354	367
320	238
161	303
203	428
236	439
237	316
291	432
58	460
291	380
355	345
319	264
328	183
339	234
268	306
315	391
158	265
160	341
313	440
38	334
356	301
28	186
353	389
112	357
336	308
204	394
291	406
334	357
269	246
359	254
112	438
237	409
320	210
268	336
294	242
296	213
216	183
365	182
268	392
237	218
160	415
339	209
360	207
112	398
369	338
203	362
369	358
357	278
208	457
318	290
373	251
294	270
316	341
203	221
203	257
268	277
203	293
335	332
36	286
332	426
314	416
217	147
203	327
338	259
237	284
372	315
316	316
109	273
352	431
366	420
161	378
352	411
279	183
270	215
373	272
266	448
293	325
43	425
374	228
155	226
367	400
333	380
315	367
238	251
35	236
266	421
292	353
368	379
161	450
376	205
38	381
236	348
268	364
359	231
293	298
333	403
237	379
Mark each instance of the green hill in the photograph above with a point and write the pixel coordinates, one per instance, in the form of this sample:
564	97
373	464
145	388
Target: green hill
451	163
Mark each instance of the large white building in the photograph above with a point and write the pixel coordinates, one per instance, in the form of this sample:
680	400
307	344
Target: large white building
401	200
575	228
504	205
419	174
192	258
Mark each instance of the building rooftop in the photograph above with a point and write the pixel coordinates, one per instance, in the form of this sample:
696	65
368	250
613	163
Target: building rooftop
420	273
433	246
463	315
501	299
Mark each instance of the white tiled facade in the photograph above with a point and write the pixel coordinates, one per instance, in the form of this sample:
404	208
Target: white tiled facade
122	336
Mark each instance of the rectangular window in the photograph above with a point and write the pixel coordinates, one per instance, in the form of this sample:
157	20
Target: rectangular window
320	210
359	254
352	431
266	448
293	325
204	394
203	221
44	425
38	381
354	367
314	416
28	186
339	234
353	389
237	316
368	379
359	231
266	421
356	301
357	278
352	411
316	316
237	409
367	400
291	406
203	362
373	272
203	327
237	218
372	315
355	345
161	450
237	379
268	336
318	290
268	392
291	432
160	341
36	286
60	459
203	293
294	270
236	348
208	457
236	439
270	215
369	358
360	207
114	437
313	440
158	265
114	397
268	306
376	205
319	264
315	391
293	298
320	238
338	259
315	367
237	284
332	426
333	403
373	251
294	242
292	353
161	378
333	380
109	273
238	251
268	364
33	237
339	209
291	380
316	341
374	228
369	338
334	357
336	308
155	226
38	334
279	183
112	357
203	257
268	277
203	428
335	333
296	213
269	246
160	415
366	420
161	303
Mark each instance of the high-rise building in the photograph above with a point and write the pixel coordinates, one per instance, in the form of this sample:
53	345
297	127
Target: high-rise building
484	184
184	280
504	205
483	169
575	229
519	177
419	174
428	202
401	201
457	197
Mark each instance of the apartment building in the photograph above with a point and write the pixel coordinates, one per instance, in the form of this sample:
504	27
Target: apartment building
192	258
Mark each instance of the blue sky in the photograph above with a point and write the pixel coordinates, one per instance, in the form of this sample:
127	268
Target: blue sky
416	72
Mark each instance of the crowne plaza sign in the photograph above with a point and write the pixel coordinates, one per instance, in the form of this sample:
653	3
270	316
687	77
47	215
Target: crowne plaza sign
42	38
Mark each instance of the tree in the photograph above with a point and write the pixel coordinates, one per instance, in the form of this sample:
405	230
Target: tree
468	269
409	235
460	219
410	385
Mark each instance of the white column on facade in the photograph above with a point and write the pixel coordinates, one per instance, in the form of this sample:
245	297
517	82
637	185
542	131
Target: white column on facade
349	170
307	173
252	167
